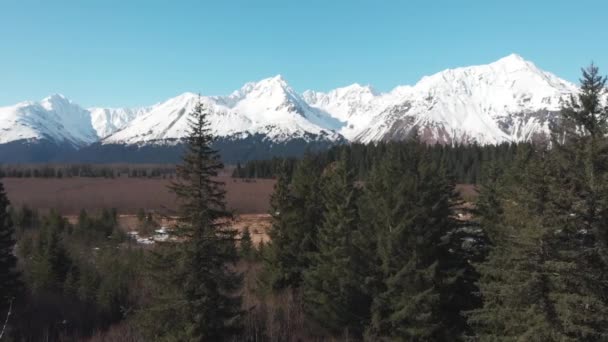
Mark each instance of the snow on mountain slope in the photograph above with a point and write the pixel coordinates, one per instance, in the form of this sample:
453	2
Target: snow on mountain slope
508	100
355	105
269	107
109	120
55	118
169	121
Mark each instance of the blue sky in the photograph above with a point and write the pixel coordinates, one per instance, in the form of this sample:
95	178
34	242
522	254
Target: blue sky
130	53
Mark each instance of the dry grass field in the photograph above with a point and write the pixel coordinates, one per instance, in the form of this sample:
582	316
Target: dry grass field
248	198
127	195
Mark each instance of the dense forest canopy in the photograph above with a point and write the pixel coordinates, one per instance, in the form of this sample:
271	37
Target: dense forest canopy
464	162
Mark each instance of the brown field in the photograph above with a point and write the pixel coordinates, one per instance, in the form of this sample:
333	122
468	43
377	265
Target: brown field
127	195
248	198
467	191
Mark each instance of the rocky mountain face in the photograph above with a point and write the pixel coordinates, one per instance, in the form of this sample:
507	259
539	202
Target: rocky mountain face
507	100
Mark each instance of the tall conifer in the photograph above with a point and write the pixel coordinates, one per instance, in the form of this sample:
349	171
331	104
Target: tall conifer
200	285
334	285
10	283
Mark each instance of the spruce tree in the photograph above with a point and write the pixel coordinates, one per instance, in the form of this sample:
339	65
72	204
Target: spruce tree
296	210
413	204
333	287
579	251
198	299
51	261
306	218
246	249
281	251
10	283
513	284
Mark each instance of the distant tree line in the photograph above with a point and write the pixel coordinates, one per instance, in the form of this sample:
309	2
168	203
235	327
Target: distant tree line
464	162
86	170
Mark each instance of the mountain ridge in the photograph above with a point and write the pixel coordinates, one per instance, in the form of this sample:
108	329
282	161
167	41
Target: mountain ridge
508	100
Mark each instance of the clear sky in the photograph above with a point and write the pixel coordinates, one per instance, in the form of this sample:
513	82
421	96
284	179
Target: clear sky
130	53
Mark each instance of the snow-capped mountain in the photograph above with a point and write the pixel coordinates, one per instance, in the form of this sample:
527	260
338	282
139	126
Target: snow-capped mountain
54	119
109	120
269	107
355	105
507	100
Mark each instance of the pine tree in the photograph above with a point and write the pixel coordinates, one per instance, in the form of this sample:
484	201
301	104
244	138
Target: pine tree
333	288
246	249
199	300
306	218
51	262
513	284
10	283
578	265
280	253
413	205
296	210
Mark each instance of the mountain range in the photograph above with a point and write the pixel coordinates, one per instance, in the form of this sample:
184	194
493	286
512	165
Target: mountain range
508	100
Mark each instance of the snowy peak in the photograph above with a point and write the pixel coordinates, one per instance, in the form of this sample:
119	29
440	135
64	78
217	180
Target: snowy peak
512	61
54	118
273	86
353	94
507	85
109	120
273	91
511	73
270	94
54	101
269	107
507	100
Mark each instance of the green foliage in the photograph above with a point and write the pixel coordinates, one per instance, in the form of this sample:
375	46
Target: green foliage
246	249
87	170
297	211
464	161
196	287
333	287
10	282
412	208
50	261
74	274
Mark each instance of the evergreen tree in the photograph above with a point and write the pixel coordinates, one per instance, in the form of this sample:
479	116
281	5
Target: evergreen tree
578	268
10	283
297	210
333	288
512	284
280	252
51	262
247	251
199	300
413	206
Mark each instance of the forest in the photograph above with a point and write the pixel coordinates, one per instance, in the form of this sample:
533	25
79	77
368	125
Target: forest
87	170
465	162
367	243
